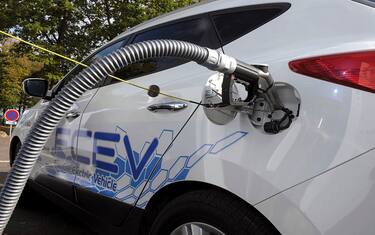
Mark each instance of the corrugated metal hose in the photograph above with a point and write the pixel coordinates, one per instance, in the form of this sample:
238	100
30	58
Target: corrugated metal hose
86	80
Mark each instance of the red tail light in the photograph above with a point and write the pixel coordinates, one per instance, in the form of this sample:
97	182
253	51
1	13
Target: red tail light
351	69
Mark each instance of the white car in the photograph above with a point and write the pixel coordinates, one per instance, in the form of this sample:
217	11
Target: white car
129	163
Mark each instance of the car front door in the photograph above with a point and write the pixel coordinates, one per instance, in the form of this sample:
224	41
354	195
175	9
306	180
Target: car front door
125	131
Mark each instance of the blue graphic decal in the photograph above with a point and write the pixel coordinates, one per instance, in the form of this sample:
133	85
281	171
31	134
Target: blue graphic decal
121	172
136	170
61	142
105	151
79	158
161	174
181	167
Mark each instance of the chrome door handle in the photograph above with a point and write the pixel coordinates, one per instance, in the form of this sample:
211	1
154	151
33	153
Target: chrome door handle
72	115
171	106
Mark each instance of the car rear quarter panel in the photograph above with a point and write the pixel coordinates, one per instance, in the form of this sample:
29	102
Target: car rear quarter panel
340	201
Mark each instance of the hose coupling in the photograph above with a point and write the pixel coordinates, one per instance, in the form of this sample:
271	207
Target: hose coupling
218	61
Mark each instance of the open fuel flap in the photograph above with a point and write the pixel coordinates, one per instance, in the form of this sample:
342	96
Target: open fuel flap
271	106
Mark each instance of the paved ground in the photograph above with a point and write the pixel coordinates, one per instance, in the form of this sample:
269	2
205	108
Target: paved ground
4	159
37	216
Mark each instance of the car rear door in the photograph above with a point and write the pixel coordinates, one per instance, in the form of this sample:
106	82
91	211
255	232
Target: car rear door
127	131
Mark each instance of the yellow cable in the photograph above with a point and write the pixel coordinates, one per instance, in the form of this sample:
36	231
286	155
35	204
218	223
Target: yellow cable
84	65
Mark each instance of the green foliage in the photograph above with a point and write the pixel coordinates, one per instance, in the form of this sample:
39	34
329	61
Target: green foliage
14	68
73	28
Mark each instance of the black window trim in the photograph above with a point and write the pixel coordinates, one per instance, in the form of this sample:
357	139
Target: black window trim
366	2
283	6
170	23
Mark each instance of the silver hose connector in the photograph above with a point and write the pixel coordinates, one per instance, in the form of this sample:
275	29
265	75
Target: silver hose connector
220	62
86	80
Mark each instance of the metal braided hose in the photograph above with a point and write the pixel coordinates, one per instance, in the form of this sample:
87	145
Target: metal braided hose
86	80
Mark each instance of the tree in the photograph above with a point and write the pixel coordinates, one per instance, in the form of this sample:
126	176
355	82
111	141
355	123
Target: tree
73	28
13	70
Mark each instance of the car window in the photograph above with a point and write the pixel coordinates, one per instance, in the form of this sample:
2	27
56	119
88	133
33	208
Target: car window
88	61
106	51
234	24
198	31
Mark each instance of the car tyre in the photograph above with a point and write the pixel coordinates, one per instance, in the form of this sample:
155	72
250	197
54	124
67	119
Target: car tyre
212	211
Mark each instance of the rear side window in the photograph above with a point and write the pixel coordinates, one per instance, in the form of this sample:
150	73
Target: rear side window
198	31
235	23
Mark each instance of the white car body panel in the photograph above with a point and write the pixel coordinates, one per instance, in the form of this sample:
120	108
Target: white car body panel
56	157
128	115
314	178
337	202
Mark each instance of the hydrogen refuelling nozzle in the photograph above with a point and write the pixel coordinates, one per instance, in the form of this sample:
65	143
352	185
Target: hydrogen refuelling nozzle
256	79
270	106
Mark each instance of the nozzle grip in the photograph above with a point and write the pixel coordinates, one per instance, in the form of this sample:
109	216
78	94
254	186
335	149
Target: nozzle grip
246	72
